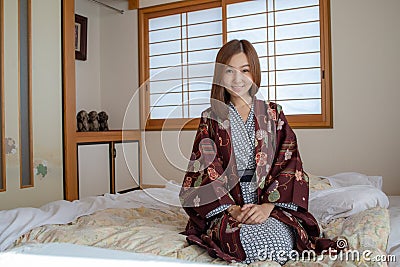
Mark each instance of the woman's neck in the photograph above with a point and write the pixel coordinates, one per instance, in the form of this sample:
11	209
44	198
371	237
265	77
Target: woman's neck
239	101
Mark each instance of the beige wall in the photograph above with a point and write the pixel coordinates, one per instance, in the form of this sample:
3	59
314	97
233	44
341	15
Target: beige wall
46	100
366	78
88	94
119	65
108	78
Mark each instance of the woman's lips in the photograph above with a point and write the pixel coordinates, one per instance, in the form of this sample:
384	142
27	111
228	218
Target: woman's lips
237	88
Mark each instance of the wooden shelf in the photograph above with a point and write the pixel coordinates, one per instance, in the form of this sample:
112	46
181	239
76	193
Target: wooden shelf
108	136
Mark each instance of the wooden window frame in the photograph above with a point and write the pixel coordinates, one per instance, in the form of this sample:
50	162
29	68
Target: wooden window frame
323	120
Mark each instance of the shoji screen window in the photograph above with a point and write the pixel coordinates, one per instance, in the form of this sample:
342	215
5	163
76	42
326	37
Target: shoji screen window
287	37
181	40
182	51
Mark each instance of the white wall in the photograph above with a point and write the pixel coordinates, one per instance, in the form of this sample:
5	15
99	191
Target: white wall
88	94
108	79
119	64
46	104
366	78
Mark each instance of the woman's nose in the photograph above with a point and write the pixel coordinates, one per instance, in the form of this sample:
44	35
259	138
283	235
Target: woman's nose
237	76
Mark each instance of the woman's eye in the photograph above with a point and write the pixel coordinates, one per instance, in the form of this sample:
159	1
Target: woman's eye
229	71
245	70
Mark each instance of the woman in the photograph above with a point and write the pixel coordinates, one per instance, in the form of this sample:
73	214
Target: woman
245	190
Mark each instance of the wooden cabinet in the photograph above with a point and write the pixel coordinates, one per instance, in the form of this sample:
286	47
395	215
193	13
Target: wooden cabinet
126	162
94	172
108	162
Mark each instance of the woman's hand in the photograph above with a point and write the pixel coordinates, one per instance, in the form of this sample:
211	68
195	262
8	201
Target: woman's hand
234	212
253	213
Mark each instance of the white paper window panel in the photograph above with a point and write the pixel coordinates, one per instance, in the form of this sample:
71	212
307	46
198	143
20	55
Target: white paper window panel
247	22
165	22
171	112
253	36
166	73
286	4
297	15
169	86
200	43
202	56
166	47
289	92
166	60
245	8
168	112
258	6
209	28
94	170
165	35
204	15
126	166
306	106
176	86
199	97
308	44
167	99
296	61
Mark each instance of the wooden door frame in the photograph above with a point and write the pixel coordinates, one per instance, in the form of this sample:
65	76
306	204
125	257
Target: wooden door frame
69	100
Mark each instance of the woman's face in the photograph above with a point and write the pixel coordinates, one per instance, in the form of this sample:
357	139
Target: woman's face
237	78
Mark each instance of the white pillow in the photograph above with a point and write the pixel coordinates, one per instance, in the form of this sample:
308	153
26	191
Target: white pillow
333	203
354	178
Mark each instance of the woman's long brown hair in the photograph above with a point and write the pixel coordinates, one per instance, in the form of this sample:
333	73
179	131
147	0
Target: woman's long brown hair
220	97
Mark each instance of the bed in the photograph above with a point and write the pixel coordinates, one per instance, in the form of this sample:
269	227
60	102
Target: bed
144	225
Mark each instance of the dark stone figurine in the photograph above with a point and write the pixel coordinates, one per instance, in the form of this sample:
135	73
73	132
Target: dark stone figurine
103	124
82	119
93	121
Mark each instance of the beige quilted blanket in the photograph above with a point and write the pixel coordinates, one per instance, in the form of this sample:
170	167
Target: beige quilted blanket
156	231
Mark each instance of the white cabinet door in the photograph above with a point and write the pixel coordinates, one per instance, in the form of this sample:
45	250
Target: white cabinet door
126	165
93	169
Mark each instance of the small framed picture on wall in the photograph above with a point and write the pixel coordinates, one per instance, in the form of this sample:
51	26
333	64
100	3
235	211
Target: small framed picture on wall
80	37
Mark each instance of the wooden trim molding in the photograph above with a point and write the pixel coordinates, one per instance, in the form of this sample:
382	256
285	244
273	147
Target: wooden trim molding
108	136
133	4
2	144
112	167
145	186
69	101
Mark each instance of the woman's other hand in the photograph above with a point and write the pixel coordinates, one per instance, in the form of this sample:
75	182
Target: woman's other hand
253	213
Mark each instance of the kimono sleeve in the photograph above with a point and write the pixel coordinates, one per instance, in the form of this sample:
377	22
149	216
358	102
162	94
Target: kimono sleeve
204	184
287	182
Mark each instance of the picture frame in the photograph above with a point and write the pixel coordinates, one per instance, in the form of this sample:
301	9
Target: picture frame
80	37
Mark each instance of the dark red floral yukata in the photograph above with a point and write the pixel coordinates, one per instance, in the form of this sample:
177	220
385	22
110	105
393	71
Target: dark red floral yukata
212	181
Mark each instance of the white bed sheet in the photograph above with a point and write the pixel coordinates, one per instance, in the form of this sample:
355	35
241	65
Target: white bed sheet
64	254
16	222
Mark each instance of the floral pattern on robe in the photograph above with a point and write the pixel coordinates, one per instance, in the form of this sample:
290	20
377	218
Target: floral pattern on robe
212	181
